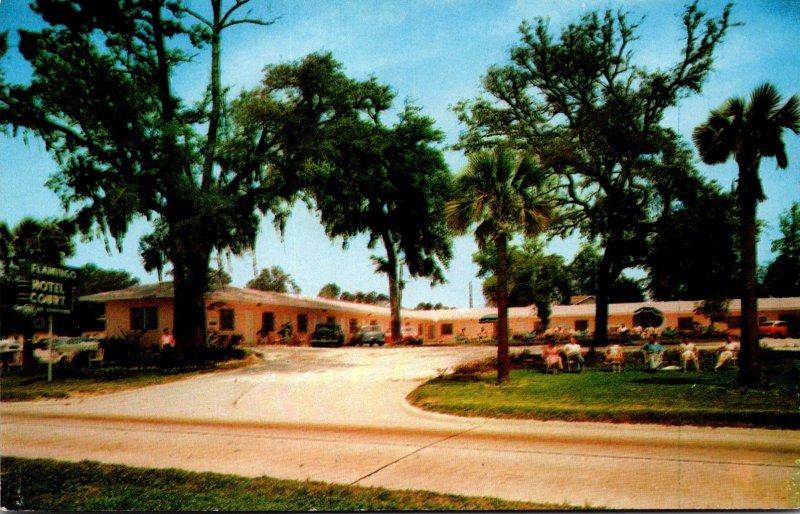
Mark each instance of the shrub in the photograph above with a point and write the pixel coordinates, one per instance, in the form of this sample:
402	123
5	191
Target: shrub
475	367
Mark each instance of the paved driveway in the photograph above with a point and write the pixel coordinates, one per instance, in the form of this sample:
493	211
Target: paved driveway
339	415
358	386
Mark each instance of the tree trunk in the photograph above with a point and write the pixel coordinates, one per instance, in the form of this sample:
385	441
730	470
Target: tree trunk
503	360
394	305
190	259
749	368
395	297
605	279
544	311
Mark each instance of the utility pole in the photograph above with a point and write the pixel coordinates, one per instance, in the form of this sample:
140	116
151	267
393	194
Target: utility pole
470	294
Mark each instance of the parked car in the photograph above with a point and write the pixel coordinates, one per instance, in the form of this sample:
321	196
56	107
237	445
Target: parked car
773	329
327	334
410	335
371	335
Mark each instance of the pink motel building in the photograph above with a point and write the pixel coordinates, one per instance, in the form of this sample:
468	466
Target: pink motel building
256	316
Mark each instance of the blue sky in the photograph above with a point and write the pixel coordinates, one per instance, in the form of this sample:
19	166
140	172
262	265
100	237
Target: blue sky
433	53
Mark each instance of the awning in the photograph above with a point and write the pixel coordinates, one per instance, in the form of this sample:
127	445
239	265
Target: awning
488	318
648	317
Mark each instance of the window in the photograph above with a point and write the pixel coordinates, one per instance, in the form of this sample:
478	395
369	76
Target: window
686	323
226	318
144	318
331	319
353	325
581	325
267	322
302	323
447	329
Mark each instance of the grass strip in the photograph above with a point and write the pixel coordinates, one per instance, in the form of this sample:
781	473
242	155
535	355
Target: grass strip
16	387
47	485
634	396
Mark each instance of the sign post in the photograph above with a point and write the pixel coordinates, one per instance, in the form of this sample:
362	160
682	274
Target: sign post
45	289
50	349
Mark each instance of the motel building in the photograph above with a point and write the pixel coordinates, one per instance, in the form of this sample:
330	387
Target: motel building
250	316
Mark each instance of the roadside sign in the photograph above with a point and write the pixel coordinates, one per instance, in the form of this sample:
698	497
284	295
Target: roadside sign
45	289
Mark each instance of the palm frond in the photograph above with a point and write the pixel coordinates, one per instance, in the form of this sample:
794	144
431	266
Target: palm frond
764	102
712	140
501	191
781	158
789	115
485	232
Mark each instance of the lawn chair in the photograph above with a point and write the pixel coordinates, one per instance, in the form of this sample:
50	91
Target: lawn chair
572	361
653	361
552	359
552	367
689	353
727	355
615	357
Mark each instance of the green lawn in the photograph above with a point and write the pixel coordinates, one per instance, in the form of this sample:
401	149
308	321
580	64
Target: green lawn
15	386
669	397
45	485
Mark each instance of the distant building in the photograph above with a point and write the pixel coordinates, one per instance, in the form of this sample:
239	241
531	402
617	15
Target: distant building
257	316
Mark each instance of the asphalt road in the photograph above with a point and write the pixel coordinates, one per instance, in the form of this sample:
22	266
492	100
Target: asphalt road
339	415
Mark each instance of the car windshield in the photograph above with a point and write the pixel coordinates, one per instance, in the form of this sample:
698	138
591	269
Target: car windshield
325	328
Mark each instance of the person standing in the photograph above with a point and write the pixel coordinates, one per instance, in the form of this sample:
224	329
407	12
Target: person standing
167	340
167	346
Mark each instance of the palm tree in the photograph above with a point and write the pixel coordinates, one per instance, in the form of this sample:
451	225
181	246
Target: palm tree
502	194
748	132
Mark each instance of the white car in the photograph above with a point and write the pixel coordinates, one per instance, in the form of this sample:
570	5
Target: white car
410	335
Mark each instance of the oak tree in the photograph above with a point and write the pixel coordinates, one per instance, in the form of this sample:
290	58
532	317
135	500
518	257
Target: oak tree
594	117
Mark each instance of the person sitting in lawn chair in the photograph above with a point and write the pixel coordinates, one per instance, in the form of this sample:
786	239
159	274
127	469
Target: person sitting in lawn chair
615	356
653	354
689	352
552	357
728	351
572	352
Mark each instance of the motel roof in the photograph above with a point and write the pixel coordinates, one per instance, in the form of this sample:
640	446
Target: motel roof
165	290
